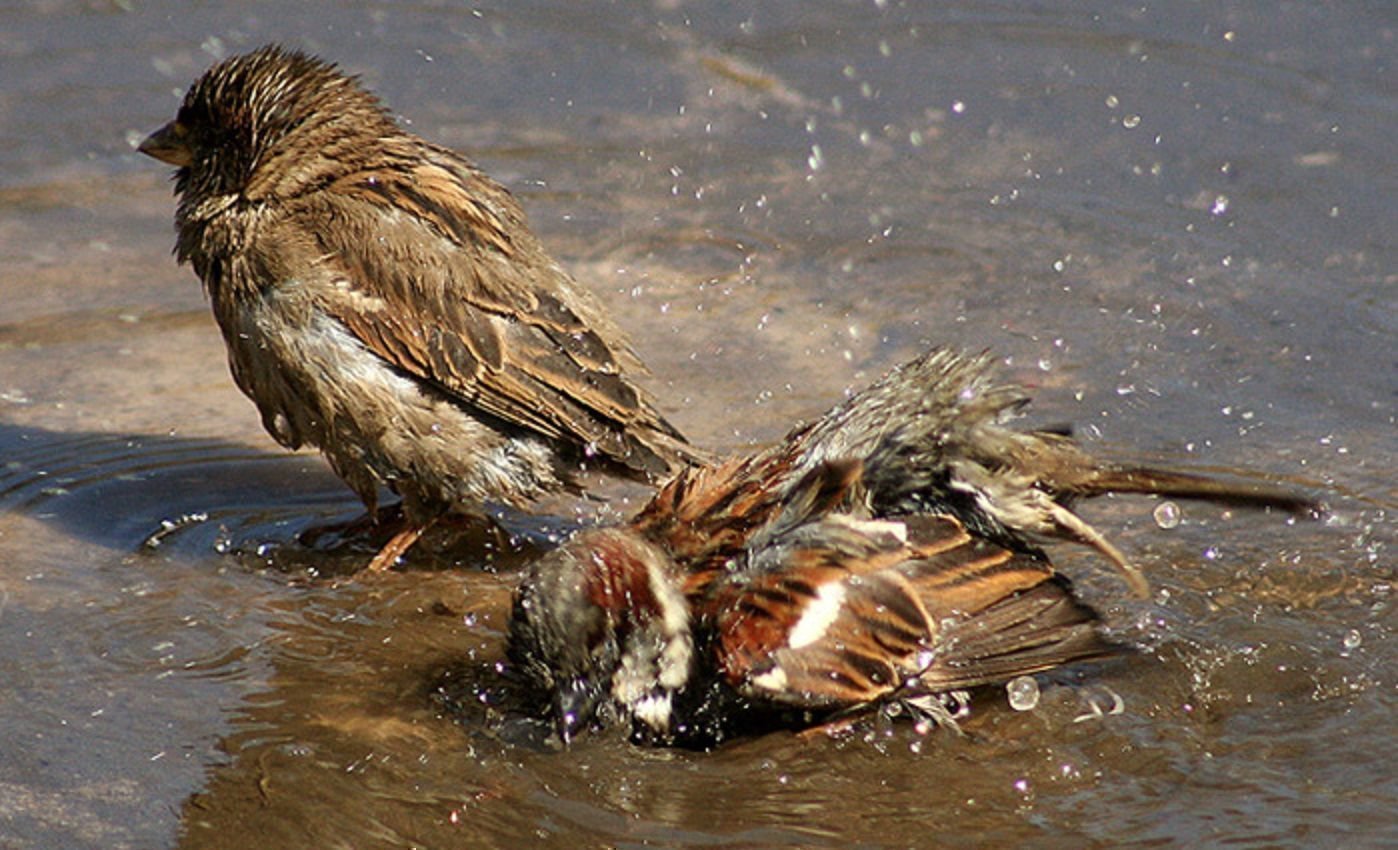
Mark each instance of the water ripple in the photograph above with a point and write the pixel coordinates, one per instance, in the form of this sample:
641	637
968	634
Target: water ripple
133	491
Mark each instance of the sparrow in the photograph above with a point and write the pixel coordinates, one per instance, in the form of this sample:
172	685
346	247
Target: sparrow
384	300
889	551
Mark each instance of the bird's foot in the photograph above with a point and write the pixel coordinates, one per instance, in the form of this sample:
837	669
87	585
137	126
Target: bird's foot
396	547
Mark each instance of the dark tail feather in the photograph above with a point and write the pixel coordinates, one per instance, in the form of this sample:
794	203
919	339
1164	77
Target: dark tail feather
1108	478
1065	473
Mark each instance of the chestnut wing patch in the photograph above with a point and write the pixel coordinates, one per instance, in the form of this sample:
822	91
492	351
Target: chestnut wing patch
820	619
840	612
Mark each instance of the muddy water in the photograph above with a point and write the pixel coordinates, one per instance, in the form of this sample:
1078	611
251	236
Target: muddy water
1174	221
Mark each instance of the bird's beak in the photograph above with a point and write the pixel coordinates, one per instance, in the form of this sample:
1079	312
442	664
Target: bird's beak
574	706
169	144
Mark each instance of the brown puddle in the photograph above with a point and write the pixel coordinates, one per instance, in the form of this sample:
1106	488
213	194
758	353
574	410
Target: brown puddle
1177	235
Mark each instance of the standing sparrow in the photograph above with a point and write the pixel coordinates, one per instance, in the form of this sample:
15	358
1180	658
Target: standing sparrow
384	300
886	551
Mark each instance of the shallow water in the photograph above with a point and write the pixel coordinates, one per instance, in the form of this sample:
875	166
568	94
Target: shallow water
1174	221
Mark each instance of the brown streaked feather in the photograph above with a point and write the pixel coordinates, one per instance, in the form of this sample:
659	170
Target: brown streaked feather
994	614
955	573
859	657
547	361
453	363
1030	632
821	618
488	317
707	515
928	609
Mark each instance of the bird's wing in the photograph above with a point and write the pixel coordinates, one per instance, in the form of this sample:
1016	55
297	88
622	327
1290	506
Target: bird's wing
436	272
818	618
996	613
844	612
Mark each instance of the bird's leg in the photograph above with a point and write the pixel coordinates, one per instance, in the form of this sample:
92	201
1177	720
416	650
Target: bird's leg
830	728
397	546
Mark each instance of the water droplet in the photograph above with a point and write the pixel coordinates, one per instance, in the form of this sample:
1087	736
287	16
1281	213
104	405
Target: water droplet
1131	122
1352	640
1220	205
1167	515
958	107
1023	692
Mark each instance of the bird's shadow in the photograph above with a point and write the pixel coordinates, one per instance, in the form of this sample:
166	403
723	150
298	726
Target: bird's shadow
203	497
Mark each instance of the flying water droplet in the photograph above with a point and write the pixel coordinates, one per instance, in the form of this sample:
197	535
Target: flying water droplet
1167	515
1023	692
1353	640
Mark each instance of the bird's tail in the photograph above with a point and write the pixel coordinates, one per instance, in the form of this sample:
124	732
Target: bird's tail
934	436
1223	487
